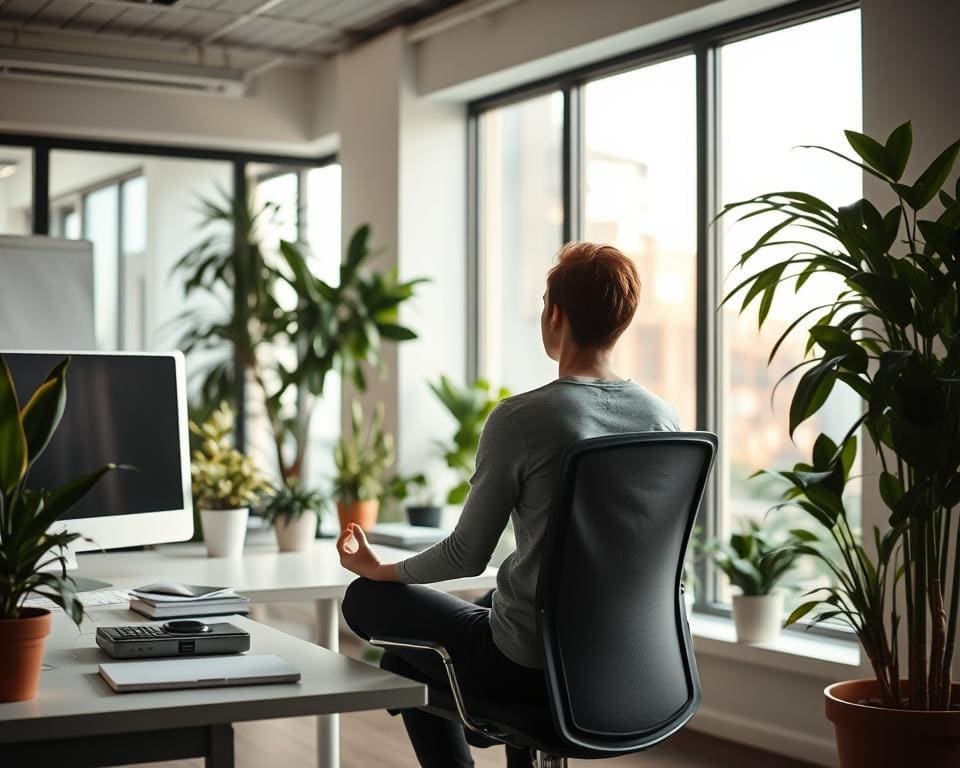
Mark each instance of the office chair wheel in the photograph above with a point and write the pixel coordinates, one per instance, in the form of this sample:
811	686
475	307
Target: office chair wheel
550	761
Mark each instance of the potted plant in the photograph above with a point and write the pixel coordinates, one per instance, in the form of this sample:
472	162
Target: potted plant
891	333
28	548
469	406
362	460
422	511
279	305
754	564
225	484
294	511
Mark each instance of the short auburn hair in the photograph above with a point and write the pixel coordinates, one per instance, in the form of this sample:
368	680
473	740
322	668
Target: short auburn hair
598	289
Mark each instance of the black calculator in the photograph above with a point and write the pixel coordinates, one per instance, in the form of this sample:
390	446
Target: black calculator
175	638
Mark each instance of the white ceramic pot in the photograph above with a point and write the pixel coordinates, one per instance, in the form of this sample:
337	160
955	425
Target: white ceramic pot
224	531
758	618
296	535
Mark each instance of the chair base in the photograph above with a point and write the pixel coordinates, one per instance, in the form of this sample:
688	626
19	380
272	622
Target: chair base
550	761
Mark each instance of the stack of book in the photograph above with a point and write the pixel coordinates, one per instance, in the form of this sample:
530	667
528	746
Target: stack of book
416	537
166	600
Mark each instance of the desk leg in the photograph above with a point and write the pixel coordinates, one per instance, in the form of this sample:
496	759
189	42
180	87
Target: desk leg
220	751
328	726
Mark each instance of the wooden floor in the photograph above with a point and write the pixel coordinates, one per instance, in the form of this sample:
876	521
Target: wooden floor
370	739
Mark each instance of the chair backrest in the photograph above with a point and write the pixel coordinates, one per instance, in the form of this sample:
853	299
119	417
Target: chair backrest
617	649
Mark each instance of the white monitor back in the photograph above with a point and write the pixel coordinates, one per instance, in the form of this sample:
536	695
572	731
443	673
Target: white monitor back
46	293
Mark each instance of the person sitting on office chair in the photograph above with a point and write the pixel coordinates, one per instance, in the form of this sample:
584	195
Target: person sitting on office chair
590	299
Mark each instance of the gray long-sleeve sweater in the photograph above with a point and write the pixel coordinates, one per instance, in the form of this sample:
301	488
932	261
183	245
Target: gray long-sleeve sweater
517	464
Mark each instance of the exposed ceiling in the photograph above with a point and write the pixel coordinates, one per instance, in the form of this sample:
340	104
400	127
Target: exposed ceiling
219	41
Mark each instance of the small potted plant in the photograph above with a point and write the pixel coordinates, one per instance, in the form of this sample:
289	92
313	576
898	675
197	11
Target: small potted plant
294	510
423	511
755	565
225	485
27	547
362	461
469	406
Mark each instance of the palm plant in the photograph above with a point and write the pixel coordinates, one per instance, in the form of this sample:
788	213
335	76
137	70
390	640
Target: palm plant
288	349
891	333
291	501
27	546
469	406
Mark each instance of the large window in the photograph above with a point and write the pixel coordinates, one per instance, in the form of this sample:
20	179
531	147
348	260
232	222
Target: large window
642	155
639	193
521	208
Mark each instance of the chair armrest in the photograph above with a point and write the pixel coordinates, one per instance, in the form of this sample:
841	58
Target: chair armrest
427	645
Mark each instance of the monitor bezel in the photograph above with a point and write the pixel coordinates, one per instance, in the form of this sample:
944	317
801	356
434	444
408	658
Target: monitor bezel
133	528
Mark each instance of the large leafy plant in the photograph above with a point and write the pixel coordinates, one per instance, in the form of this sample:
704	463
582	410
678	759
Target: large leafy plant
28	548
754	561
362	458
469	406
288	328
890	334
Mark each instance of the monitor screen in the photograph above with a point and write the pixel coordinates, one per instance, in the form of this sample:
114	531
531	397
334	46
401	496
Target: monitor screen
121	409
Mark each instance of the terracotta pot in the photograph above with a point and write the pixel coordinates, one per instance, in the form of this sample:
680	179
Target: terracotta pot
876	737
21	648
363	513
298	534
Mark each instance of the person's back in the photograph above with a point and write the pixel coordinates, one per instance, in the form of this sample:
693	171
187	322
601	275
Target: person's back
548	420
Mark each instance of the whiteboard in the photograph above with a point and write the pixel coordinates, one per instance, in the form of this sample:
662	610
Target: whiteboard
46	293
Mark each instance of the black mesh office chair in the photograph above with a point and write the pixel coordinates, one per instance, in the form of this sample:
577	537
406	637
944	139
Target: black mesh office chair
618	658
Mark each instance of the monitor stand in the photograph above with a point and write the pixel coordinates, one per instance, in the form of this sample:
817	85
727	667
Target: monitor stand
81	583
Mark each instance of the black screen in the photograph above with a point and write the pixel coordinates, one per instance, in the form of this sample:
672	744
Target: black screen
121	409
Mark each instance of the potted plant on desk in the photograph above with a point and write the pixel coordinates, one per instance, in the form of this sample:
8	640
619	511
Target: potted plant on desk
754	564
294	510
888	330
422	511
28	549
362	461
225	485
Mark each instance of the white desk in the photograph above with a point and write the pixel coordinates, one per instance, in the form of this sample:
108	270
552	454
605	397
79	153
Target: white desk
77	720
264	575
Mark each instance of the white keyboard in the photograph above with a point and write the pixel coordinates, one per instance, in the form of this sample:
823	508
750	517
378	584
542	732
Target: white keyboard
87	599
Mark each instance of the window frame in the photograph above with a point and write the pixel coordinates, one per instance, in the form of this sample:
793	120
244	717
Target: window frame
704	46
43	145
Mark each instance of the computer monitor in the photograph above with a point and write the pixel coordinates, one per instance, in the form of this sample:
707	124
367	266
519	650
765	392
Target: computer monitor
128	409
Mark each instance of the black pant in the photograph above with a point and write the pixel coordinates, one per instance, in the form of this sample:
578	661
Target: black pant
385	609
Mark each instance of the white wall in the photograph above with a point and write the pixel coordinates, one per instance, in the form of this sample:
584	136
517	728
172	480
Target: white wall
288	109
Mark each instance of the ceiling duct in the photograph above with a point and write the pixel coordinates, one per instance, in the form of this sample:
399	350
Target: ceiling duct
81	68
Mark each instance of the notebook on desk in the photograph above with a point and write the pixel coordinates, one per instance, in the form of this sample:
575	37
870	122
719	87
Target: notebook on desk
207	672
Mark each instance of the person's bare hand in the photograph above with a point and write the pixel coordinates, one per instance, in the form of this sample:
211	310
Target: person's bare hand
356	554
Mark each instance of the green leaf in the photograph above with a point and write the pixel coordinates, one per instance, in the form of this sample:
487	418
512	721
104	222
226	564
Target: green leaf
888	294
396	332
872	151
42	413
929	182
13	441
899	144
891	489
812	391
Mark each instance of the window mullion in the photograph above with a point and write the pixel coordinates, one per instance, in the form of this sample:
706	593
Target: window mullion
707	292
572	163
